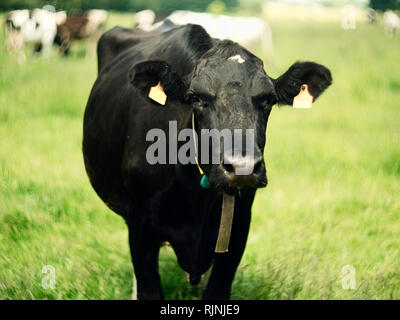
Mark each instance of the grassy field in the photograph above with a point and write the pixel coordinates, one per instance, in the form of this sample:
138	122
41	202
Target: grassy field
333	198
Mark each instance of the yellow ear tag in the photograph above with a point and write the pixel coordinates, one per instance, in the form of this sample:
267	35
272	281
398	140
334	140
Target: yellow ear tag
157	94
304	99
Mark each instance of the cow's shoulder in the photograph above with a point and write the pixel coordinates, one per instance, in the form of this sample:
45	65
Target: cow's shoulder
109	45
190	38
118	39
115	41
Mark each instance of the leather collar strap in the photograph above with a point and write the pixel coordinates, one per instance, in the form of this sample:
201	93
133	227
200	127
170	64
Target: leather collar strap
195	146
225	226
228	206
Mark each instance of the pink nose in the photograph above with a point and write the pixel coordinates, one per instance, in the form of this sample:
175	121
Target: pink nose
242	171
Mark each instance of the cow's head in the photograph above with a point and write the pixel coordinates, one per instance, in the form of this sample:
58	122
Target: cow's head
229	89
16	19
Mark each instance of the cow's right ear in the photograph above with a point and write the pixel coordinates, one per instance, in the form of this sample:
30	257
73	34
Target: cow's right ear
288	85
145	75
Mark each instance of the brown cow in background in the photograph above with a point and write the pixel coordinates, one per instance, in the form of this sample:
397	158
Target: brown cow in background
87	26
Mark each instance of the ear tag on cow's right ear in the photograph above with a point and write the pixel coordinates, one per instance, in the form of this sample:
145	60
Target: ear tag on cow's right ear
304	99
157	94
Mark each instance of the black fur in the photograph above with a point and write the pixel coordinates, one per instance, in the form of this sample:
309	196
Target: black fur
165	202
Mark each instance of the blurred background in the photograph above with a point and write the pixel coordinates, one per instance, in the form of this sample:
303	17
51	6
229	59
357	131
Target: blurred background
326	227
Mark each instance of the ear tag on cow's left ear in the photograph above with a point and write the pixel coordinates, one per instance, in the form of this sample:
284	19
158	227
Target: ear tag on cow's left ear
304	99
157	94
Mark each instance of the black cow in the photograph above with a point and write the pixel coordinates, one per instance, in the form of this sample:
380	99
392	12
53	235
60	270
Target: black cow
225	86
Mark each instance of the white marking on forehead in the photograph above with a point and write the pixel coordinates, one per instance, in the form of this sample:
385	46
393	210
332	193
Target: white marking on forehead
237	58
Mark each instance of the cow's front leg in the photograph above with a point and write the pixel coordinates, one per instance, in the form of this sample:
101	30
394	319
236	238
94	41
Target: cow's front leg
145	247
225	264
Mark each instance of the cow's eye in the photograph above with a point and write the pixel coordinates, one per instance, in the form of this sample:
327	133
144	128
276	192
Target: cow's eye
194	99
197	101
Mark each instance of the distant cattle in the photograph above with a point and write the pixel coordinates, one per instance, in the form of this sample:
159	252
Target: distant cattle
371	15
37	27
87	26
250	32
391	23
144	20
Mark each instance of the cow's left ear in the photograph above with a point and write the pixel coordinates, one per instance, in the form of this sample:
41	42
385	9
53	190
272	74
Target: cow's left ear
145	75
288	85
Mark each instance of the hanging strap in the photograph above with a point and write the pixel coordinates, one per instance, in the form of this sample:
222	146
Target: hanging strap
228	206
195	146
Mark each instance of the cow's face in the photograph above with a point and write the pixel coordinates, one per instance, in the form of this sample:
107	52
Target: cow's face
231	94
16	19
232	97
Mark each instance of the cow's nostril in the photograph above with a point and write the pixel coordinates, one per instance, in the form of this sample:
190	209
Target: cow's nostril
228	167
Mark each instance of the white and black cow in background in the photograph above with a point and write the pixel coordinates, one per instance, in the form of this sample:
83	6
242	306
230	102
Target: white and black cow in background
250	32
209	84
37	27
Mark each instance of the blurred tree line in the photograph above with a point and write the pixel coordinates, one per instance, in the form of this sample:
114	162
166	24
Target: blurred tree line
383	5
118	5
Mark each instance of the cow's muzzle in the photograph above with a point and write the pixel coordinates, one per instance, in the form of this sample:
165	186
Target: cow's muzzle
239	172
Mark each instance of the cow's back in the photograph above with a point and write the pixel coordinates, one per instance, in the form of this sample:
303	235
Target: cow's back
118	40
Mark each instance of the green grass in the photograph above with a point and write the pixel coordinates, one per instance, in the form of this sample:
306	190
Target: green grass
333	197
